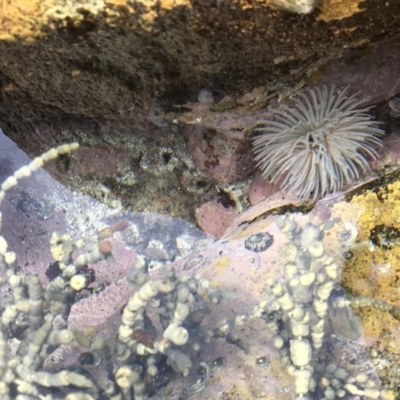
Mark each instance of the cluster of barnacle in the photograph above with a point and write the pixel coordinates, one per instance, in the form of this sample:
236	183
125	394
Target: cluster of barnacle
34	325
296	314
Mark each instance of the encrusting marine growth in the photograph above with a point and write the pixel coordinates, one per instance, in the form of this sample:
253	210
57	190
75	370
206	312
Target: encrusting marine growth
318	144
297	316
34	324
139	348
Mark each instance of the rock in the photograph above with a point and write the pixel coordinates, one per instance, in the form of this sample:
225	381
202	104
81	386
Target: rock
219	157
214	218
260	188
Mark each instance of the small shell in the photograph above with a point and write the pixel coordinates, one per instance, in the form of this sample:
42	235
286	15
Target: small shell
394	105
296	6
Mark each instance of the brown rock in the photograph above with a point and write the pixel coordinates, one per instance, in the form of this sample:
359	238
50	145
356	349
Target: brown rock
217	156
260	189
214	218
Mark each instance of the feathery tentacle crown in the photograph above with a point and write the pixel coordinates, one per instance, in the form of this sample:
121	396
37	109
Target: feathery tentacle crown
319	144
